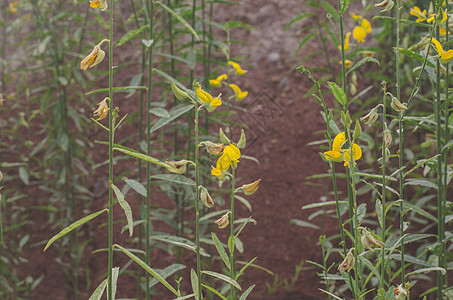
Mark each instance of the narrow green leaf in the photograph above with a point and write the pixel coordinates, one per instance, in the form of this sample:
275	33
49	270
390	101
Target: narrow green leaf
180	242
303	223
73	226
173	115
231	244
379	212
99	291
194	282
126	207
141	156
115	274
244	268
416	56
305	40
175	178
131	34
244	201
338	93
179	18
298	18
361	62
421	182
218	245
447	145
426	270
419	210
166	272
136	186
224	278
214	291
148	269
159	112
246	293
23	175
321	204
123	89
369	265
186	297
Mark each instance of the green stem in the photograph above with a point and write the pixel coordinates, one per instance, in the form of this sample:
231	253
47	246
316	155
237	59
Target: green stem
440	204
197	195
111	140
232	254
384	182
148	150
400	140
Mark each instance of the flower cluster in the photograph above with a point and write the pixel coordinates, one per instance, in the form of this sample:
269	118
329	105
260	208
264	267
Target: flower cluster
338	154
237	69
229	157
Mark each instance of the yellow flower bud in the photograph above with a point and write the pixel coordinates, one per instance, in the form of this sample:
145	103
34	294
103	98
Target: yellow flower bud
102	110
251	187
205	197
177	167
348	262
223	221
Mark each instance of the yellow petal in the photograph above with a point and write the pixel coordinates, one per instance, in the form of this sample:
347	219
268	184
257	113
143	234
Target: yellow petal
338	141
356	152
359	34
333	156
446	57
232	152
366	25
439	48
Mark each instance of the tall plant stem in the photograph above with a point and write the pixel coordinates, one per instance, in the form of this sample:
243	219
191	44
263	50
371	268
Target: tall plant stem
232	254
400	140
440	187
445	153
111	139
384	182
148	150
173	73
197	200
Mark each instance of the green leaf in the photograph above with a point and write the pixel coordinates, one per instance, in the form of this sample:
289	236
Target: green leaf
23	175
136	186
218	245
99	291
338	93
145	266
315	205
214	291
244	201
298	18
244	268
246	293
426	270
131	34
303	223
421	182
141	156
331	10
231	244
361	62
175	178
305	40
180	242
179	18
224	278
167	272
416	56
73	226
174	114
123	89
447	145
380	213
115	274
419	210
159	112
126	207
369	265
194	282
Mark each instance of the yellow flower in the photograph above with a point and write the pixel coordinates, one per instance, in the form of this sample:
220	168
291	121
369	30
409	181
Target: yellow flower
444	57
237	68
94	58
223	221
218	81
240	95
346	42
359	34
230	156
102	110
102	4
347	63
206	98
337	154
366	25
421	15
12	6
355	17
442	31
433	17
